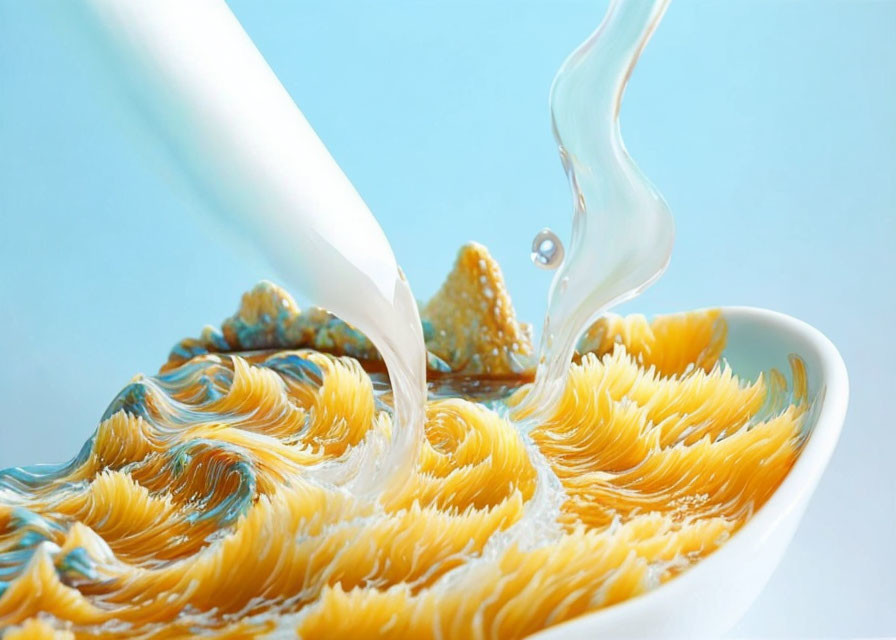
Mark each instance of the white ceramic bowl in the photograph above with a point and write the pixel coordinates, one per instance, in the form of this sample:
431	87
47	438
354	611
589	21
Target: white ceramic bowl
710	598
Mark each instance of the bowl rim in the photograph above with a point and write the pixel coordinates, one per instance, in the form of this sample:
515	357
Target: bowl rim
797	486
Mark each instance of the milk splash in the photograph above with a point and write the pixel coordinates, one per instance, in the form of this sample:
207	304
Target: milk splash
622	232
237	133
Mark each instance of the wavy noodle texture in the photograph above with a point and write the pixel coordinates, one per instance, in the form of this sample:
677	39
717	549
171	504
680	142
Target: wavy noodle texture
199	505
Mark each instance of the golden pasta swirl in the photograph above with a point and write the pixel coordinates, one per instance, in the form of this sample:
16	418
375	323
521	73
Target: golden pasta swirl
202	504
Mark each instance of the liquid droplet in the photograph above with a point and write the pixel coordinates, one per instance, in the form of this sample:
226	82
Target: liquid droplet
547	250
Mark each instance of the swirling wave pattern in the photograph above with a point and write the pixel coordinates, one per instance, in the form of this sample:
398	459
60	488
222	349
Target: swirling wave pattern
201	504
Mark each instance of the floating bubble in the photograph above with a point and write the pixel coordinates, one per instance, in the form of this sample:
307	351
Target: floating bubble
547	250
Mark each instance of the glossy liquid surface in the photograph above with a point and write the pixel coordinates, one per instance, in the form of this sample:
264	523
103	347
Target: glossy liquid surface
266	176
623	232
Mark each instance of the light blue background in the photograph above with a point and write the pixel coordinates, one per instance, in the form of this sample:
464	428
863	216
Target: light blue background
769	126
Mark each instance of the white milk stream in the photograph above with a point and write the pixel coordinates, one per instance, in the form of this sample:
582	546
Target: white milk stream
622	231
249	148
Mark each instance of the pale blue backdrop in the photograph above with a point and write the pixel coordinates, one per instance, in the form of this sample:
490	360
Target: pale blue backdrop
769	126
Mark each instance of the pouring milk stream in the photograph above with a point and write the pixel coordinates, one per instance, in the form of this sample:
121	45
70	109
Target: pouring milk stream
235	128
622	231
